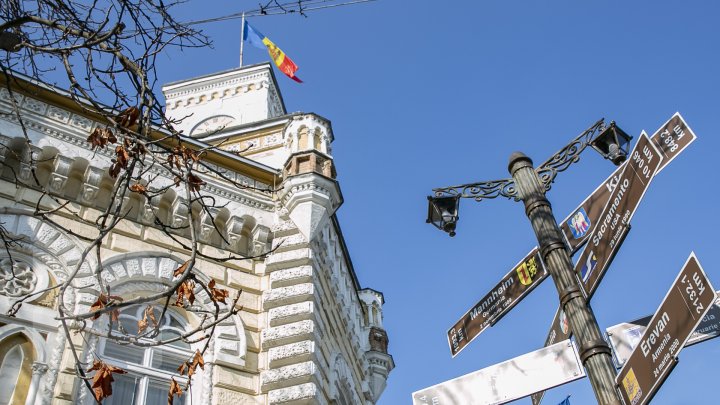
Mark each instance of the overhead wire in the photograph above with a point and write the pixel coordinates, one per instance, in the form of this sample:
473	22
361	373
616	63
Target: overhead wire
281	8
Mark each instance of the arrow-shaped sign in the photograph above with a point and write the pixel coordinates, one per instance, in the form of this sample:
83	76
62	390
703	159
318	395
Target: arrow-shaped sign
671	139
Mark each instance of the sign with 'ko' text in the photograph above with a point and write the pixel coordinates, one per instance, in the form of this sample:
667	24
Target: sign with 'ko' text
685	305
525	276
614	221
671	139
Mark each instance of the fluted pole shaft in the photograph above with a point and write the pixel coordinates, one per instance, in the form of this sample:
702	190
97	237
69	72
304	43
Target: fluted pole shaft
594	351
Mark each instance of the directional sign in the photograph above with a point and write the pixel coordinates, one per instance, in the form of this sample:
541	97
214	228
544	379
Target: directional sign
522	279
672	138
510	380
614	221
624	337
688	301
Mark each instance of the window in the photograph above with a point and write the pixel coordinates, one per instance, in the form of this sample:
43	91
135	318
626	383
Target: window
15	372
149	369
9	373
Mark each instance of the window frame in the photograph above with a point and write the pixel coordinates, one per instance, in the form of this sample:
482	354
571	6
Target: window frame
145	372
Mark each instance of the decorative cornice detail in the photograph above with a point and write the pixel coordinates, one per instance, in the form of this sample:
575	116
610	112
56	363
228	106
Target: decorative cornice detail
261	78
70	128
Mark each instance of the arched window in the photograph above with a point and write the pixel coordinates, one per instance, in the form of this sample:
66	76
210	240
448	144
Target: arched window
149	369
15	372
303	138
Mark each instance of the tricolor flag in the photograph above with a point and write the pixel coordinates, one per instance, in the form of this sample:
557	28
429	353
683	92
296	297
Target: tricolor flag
282	61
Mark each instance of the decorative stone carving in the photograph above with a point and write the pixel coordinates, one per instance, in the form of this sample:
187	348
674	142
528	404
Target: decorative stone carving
291	352
39	368
16	279
295	393
287	295
294	275
287	258
295	371
285	334
290	313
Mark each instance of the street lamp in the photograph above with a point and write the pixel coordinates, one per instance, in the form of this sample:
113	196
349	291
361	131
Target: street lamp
443	213
613	144
529	185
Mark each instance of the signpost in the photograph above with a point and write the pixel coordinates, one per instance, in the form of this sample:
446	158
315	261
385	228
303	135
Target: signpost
624	337
672	138
604	220
518	283
510	380
614	221
688	301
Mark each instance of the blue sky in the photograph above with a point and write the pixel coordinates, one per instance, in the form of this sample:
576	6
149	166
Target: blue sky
427	94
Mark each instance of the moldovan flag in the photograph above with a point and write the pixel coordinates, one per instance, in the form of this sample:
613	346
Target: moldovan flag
282	61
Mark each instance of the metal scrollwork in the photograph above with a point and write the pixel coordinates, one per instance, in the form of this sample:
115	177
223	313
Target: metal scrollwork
481	191
16	279
568	155
546	172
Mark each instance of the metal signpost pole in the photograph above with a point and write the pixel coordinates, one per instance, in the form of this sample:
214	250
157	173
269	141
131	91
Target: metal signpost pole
594	351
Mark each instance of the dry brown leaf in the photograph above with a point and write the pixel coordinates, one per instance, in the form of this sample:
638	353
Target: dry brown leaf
217	294
122	156
195	182
198	360
128	117
180	270
142	325
103	379
99	138
138	188
175	389
185	291
105	301
150	313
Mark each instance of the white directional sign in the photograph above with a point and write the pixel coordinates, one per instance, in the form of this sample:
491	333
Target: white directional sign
510	380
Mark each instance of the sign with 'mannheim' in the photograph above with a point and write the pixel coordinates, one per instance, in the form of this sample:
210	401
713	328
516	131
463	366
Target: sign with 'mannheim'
525	276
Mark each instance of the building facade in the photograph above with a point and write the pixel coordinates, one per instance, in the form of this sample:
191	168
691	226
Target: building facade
307	332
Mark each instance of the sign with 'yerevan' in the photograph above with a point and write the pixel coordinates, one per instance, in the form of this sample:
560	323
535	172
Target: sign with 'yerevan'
624	337
525	276
685	305
672	138
614	221
510	380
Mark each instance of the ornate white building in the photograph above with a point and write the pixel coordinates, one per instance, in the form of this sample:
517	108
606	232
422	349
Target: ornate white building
307	332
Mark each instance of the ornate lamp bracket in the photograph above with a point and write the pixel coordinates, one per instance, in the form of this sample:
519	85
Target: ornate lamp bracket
546	172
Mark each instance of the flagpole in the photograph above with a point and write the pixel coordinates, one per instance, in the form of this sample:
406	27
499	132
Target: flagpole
242	38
